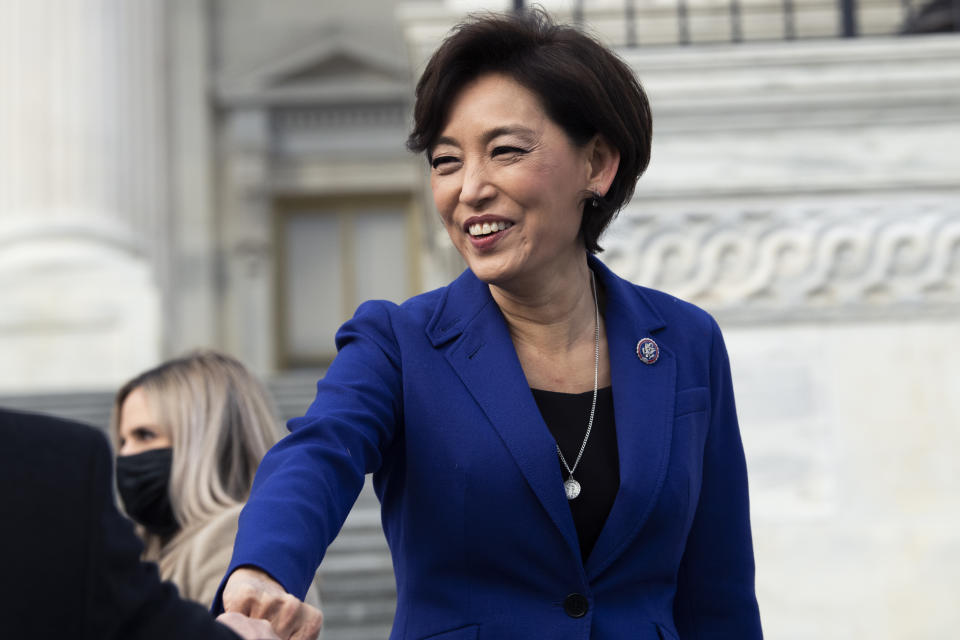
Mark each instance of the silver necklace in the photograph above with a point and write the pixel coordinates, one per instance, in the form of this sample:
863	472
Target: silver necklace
571	486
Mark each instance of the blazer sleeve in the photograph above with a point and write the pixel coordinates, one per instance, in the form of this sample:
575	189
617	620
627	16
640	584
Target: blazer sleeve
307	483
715	585
124	596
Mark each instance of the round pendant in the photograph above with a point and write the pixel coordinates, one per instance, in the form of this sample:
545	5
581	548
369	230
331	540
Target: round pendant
572	487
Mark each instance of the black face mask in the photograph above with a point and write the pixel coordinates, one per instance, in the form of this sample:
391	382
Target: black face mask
144	484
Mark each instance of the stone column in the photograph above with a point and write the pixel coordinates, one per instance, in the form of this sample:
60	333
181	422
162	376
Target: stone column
248	302
83	184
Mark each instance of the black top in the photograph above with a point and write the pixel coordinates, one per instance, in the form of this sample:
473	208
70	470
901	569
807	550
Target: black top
598	473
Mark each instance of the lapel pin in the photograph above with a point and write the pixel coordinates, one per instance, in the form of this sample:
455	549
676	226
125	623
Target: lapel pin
648	351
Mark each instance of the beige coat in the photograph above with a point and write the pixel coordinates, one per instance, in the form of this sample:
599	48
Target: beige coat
196	558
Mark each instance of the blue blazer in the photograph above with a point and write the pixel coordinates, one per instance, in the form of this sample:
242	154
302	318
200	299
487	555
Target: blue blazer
430	397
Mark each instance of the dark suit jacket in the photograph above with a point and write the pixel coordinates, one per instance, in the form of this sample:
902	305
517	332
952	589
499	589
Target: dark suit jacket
431	398
70	563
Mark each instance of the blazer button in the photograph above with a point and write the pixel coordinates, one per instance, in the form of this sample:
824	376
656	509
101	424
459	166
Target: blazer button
576	605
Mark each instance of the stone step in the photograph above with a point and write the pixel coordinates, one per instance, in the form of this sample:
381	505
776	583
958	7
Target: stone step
379	585
357	632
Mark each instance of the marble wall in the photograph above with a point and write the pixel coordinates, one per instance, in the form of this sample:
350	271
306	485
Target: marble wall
850	430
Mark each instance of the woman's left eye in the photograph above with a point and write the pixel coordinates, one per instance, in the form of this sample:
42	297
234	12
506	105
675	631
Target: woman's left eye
504	150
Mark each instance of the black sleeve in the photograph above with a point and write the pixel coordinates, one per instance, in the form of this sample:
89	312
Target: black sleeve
124	596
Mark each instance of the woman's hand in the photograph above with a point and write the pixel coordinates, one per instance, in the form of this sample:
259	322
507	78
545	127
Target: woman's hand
255	594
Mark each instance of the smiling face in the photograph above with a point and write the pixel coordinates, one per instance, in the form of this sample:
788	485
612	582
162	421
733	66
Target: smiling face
509	183
139	428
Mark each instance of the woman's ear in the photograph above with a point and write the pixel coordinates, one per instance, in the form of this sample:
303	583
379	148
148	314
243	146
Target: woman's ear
603	160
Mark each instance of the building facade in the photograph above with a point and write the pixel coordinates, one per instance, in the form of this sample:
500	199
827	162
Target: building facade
231	173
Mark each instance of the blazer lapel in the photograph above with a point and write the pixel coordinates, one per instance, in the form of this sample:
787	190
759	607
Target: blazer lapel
482	354
643	398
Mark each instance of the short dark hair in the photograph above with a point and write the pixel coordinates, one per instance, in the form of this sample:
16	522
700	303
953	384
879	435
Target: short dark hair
583	87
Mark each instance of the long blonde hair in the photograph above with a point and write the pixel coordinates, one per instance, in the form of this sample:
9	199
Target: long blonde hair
221	422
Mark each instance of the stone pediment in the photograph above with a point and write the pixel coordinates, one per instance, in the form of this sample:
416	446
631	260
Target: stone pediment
332	67
340	65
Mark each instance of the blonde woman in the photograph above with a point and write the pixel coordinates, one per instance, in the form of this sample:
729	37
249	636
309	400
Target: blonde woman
189	435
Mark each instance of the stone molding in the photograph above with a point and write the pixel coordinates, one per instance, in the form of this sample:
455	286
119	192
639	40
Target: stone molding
797	85
373	130
811	260
91	227
82	309
338	117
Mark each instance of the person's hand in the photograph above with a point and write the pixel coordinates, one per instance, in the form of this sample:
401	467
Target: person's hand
255	594
248	628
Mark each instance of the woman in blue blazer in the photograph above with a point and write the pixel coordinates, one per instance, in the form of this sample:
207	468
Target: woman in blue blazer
556	450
